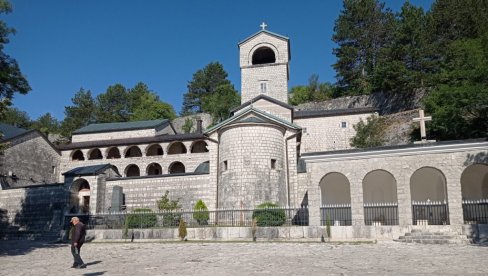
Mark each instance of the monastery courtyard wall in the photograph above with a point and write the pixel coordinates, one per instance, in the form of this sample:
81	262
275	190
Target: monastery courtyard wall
450	161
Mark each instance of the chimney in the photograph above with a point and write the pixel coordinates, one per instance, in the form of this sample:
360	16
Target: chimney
199	125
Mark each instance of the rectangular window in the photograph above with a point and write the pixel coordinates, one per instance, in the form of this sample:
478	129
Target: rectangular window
273	164
224	166
264	87
343	124
53	169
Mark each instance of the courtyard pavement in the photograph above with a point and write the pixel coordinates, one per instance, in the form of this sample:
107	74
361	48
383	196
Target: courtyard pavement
239	258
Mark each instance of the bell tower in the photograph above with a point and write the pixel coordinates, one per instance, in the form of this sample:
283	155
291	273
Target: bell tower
264	58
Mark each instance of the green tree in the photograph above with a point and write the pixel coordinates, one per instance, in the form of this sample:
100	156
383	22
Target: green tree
200	212
14	116
113	105
11	79
361	31
313	92
143	104
187	127
221	101
370	133
409	64
459	104
204	82
46	124
80	114
170	207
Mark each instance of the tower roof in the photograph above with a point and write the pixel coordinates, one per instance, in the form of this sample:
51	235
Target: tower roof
266	32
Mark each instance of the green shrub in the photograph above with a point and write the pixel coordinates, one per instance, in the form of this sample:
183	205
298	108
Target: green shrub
141	218
269	214
200	213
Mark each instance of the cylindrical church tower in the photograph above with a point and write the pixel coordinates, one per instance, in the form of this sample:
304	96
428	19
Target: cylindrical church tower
251	157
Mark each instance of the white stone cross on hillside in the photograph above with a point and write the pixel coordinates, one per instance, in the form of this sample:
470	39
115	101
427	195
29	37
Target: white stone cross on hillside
422	119
263	26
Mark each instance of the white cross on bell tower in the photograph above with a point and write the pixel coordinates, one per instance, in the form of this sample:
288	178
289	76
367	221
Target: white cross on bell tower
263	26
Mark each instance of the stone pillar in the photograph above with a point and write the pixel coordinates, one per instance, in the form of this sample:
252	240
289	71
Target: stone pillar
357	208
117	199
404	196
454	195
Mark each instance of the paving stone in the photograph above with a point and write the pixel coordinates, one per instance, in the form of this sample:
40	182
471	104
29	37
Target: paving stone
225	258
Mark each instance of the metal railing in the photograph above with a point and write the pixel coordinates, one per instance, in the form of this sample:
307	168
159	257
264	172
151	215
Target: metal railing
475	211
337	214
280	216
430	213
378	214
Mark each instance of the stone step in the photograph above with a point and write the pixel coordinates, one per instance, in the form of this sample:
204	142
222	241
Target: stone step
436	241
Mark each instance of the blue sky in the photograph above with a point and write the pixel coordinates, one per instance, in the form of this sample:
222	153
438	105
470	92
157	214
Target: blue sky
64	45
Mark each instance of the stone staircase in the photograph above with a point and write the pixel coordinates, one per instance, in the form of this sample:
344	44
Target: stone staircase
425	237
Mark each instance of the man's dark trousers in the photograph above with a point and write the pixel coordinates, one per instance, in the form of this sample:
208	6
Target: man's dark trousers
75	250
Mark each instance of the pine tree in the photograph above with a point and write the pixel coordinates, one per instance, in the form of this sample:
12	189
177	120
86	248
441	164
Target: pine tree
362	31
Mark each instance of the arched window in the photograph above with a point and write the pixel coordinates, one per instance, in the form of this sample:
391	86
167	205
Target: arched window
154	169
474	182
133	151
428	191
199	146
336	199
380	198
154	150
79	196
176	148
176	167
77	155
263	55
474	189
113	153
95	154
132	170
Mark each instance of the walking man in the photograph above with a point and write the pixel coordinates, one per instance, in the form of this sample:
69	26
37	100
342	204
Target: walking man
77	240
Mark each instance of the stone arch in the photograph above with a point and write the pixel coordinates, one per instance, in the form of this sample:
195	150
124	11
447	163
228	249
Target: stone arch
474	182
428	189
176	148
154	169
95	154
113	153
428	183
379	186
154	150
263	55
80	196
335	189
77	155
199	146
133	151
132	170
176	167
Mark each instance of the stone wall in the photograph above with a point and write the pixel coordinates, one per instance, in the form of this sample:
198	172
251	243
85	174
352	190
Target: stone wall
36	210
180	121
32	160
327	133
276	110
113	135
449	160
386	103
246	174
144	192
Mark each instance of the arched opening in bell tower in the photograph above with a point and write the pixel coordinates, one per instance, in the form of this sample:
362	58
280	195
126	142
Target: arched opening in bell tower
263	55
